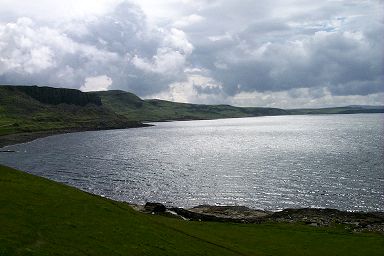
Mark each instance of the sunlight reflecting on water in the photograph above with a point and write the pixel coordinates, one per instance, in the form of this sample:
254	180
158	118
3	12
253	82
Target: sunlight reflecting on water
333	161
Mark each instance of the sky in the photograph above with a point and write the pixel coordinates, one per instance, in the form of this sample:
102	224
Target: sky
280	53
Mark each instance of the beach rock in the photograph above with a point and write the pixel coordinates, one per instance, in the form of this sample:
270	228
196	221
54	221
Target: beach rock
233	212
192	214
154	207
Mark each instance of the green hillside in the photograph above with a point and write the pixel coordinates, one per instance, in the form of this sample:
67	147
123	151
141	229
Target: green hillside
25	109
134	108
42	217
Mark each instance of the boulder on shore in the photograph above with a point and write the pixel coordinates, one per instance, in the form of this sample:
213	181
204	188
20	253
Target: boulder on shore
154	207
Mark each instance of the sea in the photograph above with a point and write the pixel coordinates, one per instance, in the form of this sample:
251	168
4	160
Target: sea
269	163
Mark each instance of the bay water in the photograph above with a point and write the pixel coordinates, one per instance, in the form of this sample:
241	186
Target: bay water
327	161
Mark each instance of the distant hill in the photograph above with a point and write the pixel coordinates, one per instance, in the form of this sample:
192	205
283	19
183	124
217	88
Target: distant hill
31	108
356	109
134	108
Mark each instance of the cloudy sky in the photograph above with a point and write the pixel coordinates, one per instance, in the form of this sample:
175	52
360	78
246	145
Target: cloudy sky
281	53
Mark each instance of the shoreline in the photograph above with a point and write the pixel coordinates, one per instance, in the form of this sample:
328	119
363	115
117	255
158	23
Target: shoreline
17	138
315	217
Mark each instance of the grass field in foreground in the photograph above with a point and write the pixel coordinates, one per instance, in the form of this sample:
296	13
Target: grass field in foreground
42	217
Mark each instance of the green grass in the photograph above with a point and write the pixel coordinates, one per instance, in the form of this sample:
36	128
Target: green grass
42	217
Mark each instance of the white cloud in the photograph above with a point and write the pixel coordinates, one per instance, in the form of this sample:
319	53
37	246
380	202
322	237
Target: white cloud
96	83
188	20
178	39
197	88
226	36
169	59
55	11
23	49
166	61
46	54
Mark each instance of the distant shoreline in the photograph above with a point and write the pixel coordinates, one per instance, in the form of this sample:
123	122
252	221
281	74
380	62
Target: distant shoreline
17	138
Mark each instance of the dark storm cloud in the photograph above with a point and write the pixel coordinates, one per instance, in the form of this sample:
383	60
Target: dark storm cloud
317	49
327	58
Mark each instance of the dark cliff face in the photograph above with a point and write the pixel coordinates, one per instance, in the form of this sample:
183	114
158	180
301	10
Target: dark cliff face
55	96
27	110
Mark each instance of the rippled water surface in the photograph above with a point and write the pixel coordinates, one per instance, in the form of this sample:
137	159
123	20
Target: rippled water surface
271	163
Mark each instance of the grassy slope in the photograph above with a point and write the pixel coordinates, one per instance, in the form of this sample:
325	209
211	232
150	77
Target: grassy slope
42	217
134	108
21	113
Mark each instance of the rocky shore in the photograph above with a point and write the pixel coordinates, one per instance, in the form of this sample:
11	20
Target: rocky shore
354	221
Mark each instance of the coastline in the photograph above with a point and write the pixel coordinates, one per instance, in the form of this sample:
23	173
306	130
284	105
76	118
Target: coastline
315	217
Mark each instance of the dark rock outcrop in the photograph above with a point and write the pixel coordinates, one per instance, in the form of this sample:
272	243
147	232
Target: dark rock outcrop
55	96
154	207
196	216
